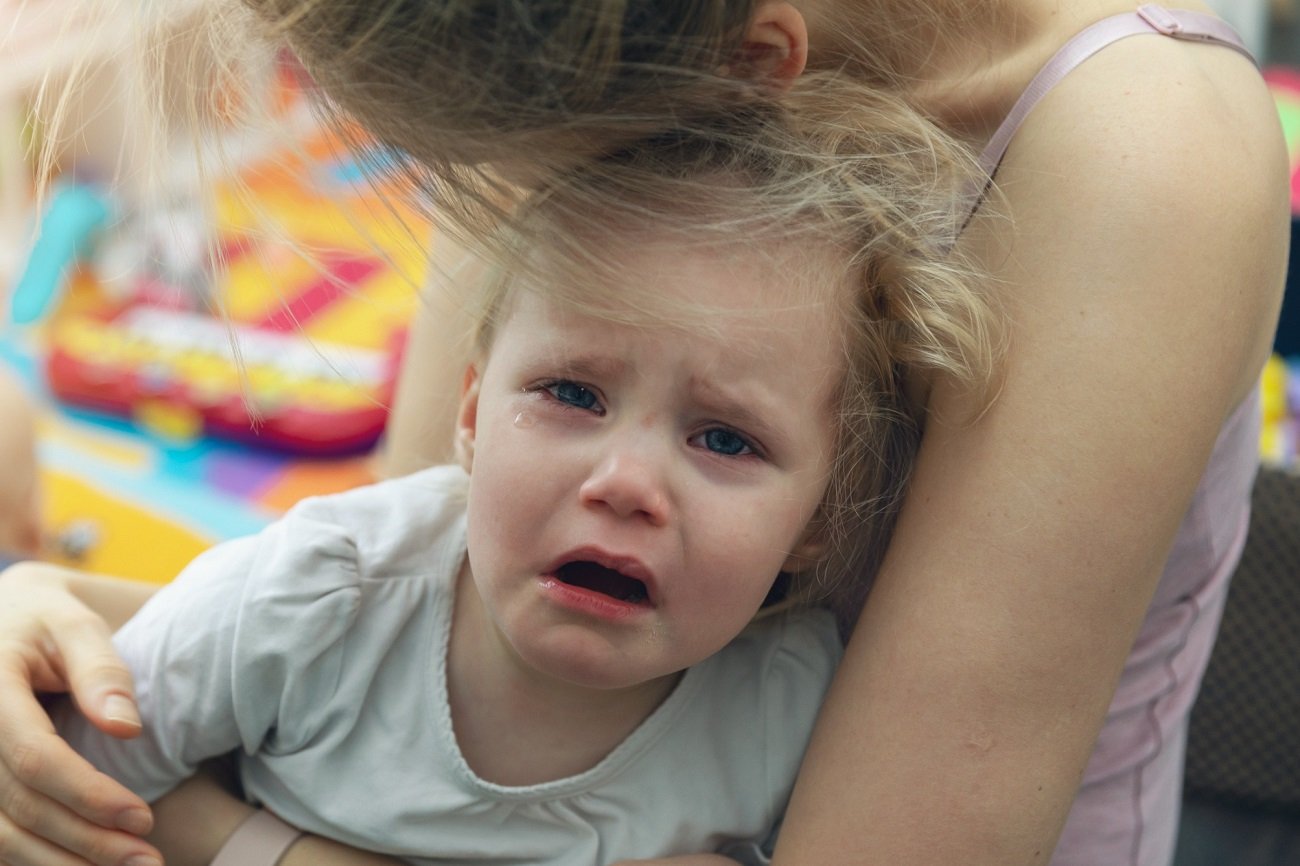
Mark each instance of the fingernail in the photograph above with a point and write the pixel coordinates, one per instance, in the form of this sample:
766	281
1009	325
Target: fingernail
118	708
143	860
137	822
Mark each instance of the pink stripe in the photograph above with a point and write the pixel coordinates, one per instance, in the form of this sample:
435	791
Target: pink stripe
344	275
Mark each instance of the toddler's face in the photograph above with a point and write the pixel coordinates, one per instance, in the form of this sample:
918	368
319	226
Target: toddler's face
635	490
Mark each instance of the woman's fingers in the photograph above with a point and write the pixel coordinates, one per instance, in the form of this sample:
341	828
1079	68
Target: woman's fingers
55	808
94	673
37	830
62	644
35	760
42	772
21	848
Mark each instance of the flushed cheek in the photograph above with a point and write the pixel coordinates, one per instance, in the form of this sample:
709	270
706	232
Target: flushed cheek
697	625
506	515
745	556
723	591
515	457
507	501
752	532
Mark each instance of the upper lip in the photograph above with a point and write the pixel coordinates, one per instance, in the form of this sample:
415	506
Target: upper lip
626	565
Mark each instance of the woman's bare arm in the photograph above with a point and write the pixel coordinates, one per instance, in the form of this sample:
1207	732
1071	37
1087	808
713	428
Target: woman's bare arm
115	599
1140	265
420	427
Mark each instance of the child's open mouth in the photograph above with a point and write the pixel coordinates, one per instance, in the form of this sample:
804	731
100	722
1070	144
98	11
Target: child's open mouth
606	581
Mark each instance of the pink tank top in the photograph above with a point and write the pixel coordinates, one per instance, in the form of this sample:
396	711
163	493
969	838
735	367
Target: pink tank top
1127	808
1148	19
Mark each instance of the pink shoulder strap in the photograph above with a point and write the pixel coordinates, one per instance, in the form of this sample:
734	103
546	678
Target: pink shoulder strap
1150	18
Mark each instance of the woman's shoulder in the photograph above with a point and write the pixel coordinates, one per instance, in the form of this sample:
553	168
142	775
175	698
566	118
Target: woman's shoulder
1166	117
1150	182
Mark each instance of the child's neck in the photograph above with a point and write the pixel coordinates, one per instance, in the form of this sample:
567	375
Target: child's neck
517	727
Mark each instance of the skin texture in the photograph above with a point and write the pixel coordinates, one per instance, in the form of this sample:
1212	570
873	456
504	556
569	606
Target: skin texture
1142	281
52	641
20	532
1032	539
694	460
698	459
423	421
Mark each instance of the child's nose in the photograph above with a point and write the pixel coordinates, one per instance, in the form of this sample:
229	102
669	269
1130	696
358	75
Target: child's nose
629	485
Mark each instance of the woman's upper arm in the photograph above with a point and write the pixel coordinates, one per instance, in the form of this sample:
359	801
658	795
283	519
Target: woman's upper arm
1139	262
420	426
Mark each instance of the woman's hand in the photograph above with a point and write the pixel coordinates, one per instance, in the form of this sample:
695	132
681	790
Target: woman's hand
55	808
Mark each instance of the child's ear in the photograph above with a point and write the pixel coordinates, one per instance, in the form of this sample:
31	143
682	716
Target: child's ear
467	418
775	48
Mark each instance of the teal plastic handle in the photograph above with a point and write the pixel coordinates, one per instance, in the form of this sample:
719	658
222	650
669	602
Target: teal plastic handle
75	214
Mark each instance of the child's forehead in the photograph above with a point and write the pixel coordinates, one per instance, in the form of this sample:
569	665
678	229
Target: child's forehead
716	314
733	357
680	273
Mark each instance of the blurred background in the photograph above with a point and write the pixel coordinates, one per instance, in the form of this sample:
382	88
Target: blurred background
156	398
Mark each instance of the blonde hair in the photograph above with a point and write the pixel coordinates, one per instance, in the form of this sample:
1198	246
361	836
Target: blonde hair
880	224
645	100
453	90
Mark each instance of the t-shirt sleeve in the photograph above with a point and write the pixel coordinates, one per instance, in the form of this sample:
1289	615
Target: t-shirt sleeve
798	673
798	676
232	653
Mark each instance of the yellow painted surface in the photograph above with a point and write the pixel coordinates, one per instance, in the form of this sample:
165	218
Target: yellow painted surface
117	450
129	541
368	320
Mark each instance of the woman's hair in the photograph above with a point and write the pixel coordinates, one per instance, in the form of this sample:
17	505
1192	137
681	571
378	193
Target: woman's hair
476	69
874	230
465	96
526	125
461	99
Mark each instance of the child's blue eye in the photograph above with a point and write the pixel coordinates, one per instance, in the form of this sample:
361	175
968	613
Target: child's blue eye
573	394
720	440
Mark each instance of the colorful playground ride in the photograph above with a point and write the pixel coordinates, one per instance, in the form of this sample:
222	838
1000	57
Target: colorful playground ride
292	344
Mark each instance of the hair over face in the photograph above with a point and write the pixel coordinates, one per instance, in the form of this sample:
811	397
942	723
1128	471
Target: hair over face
625	112
768	186
452	85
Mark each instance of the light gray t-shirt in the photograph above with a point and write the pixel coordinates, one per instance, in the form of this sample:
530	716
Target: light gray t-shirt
317	650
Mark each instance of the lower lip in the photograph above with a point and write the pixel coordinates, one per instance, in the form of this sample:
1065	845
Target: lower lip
589	602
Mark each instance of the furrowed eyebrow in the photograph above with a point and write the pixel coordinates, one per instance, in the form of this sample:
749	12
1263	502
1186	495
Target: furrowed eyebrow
735	410
588	366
